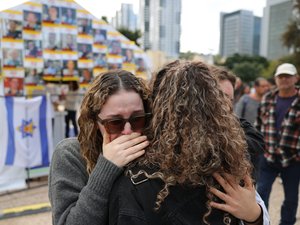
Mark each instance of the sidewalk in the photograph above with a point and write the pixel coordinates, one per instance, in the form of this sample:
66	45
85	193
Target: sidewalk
35	200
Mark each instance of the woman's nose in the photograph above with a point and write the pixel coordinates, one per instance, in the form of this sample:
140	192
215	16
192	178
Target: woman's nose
127	128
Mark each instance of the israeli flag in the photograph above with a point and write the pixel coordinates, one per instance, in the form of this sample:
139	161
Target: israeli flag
26	131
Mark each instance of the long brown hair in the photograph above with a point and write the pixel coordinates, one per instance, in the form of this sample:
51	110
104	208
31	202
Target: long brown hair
193	131
103	86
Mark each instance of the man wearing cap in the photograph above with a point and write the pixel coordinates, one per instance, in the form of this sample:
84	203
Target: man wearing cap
278	120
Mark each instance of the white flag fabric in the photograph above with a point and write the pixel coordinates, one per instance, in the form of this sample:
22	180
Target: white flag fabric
25	131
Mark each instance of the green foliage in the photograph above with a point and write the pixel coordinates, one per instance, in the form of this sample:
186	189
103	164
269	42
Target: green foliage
248	68
218	60
237	58
105	19
291	38
131	35
247	71
269	72
187	55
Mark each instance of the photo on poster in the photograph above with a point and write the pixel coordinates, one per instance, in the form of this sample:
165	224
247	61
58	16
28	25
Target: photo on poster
70	68
84	26
52	68
140	65
85	76
13	86
100	60
100	36
12	57
114	47
127	55
51	40
69	42
85	51
33	76
114	66
68	16
12	29
33	49
51	14
32	20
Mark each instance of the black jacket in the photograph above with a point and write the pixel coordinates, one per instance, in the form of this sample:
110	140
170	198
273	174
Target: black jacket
256	144
133	204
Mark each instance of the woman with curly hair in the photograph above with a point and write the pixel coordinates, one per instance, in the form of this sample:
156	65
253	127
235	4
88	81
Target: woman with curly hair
112	116
196	143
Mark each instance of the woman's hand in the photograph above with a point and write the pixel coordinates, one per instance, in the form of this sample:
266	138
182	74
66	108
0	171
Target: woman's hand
124	149
238	201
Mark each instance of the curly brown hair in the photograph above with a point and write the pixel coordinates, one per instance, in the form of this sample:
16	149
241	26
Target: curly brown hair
193	131
103	86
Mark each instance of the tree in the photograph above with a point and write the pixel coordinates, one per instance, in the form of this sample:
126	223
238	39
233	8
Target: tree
247	71
291	37
237	58
131	35
187	55
248	68
105	19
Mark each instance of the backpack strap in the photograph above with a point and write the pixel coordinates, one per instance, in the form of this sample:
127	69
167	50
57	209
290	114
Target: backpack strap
146	195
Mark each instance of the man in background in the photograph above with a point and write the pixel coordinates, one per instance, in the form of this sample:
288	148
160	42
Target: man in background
248	104
279	121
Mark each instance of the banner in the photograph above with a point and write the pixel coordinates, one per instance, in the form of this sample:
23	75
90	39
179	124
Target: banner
26	131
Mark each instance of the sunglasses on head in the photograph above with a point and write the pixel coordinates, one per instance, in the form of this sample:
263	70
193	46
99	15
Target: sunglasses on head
116	125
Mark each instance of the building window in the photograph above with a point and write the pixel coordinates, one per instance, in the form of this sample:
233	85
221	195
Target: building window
162	3
162	31
146	2
177	47
147	26
177	19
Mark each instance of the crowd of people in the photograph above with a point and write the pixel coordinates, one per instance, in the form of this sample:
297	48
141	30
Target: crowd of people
181	149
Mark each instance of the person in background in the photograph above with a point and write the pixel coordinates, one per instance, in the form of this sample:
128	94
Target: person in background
71	105
272	83
248	104
195	143
255	140
239	90
113	114
278	119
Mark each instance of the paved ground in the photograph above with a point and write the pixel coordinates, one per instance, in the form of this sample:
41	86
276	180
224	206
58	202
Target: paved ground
37	194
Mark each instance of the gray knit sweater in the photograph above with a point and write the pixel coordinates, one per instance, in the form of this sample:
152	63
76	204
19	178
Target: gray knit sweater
77	198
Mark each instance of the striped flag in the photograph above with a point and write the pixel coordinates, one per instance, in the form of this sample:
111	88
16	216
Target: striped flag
25	131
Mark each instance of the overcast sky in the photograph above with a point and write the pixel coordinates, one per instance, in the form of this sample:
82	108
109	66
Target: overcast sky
199	19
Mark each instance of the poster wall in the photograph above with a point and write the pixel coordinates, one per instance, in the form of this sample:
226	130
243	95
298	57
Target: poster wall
46	41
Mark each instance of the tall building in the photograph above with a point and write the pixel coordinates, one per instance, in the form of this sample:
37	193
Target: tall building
239	33
256	35
125	18
160	25
277	15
